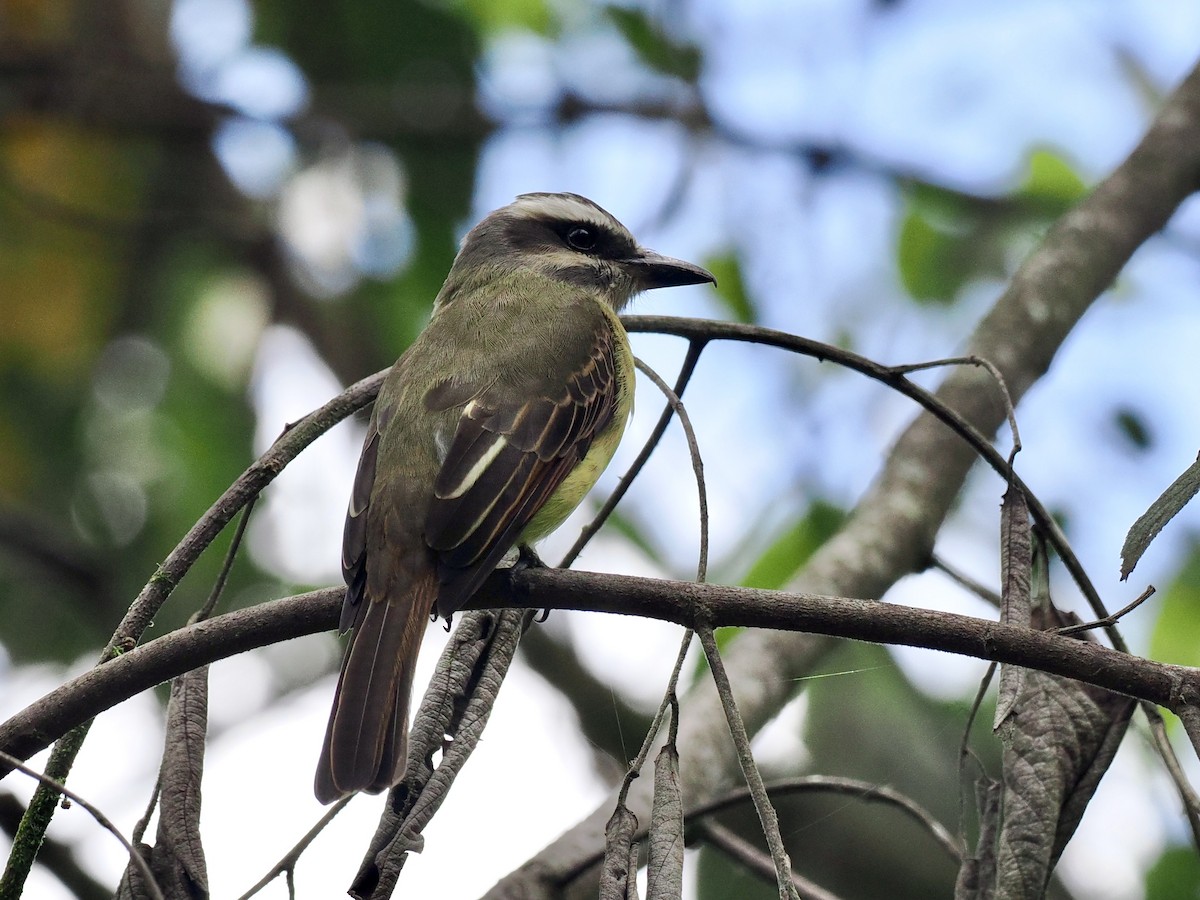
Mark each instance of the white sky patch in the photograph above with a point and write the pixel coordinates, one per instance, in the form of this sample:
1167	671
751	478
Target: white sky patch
276	752
296	530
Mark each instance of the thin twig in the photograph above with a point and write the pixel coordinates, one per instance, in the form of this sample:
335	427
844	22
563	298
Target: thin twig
669	701
695	348
101	819
853	787
964	748
287	863
235	544
1111	619
705	329
1009	410
31	831
669	698
756	861
1166	750
754	781
139	830
697	464
978	588
54	856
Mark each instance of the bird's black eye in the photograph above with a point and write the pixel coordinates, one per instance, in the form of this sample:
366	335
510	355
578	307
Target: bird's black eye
581	238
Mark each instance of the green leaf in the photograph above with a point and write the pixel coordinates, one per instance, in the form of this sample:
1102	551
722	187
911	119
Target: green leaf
1134	428
501	15
1174	876
1051	182
1176	637
731	288
655	49
791	550
930	258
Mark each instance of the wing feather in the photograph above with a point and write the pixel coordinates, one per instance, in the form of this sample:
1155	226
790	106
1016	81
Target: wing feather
483	500
354	533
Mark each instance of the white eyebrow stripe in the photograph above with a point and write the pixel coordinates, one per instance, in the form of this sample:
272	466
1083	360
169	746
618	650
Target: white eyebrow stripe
558	207
469	479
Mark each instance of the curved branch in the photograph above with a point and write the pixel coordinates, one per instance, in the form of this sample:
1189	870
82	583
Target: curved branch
136	859
45	720
706	330
892	530
746	854
260	473
865	791
681	602
681	382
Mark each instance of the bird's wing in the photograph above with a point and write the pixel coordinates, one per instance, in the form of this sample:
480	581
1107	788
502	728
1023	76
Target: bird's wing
507	457
354	533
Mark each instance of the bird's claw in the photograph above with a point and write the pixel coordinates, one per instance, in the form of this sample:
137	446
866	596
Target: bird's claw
527	558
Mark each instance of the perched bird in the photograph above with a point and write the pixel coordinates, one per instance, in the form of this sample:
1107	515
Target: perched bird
487	433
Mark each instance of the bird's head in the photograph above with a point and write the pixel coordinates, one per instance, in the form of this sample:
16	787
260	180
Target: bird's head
570	239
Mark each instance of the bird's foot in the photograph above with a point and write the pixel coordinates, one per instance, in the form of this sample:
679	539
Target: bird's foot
527	558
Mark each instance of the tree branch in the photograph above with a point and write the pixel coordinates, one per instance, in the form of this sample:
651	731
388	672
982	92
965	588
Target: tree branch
684	603
892	531
159	660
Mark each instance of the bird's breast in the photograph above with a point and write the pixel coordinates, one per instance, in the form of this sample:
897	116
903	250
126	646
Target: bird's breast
584	476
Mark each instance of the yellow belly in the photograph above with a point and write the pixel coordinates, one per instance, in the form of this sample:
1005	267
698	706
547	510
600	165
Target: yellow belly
583	477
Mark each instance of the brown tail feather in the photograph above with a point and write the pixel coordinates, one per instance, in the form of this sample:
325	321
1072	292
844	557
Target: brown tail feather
366	739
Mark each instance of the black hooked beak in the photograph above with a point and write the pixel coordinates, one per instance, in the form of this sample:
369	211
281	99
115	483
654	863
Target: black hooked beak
653	270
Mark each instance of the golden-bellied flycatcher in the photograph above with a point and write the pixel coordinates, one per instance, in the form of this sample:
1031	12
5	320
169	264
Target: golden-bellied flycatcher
487	432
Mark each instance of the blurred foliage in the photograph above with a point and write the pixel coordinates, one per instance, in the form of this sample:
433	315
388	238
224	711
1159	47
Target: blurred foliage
785	556
1051	185
1134	428
870	722
136	281
122	421
1176	635
635	532
1174	876
731	289
718	879
947	238
652	45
